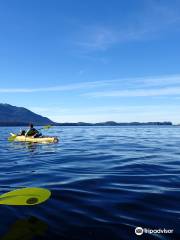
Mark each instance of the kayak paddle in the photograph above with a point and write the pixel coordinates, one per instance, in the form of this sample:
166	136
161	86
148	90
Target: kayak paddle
25	196
47	127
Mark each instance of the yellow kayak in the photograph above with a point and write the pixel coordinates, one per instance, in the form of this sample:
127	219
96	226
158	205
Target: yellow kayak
35	140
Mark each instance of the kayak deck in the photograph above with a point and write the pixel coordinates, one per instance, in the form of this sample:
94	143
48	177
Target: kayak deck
36	140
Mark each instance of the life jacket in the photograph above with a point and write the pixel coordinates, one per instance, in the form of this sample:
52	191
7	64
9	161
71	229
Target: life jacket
32	132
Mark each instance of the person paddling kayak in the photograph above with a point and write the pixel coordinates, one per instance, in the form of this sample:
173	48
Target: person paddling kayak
33	136
32	132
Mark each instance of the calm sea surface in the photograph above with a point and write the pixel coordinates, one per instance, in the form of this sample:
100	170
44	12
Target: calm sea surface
105	181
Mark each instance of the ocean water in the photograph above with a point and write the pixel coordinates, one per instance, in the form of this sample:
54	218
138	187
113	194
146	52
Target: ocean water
105	182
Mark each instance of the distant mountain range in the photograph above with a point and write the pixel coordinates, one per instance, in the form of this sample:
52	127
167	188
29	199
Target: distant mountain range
19	116
111	123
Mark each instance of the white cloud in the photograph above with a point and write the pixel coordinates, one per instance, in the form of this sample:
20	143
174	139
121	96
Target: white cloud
136	93
137	86
163	80
68	87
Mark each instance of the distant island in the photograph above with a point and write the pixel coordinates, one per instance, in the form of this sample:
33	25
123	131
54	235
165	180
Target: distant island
112	123
19	116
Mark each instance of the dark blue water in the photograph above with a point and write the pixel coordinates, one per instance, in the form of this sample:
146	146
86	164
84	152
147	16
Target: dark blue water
105	181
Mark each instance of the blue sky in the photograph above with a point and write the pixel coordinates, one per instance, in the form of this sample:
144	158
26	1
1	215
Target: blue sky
92	60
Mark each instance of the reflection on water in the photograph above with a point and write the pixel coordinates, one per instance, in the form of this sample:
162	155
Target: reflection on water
32	147
26	229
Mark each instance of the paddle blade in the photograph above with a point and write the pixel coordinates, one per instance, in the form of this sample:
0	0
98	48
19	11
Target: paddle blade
12	137
47	127
25	196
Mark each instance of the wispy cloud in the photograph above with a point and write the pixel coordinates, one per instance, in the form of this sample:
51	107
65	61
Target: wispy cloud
97	37
152	19
141	87
136	93
137	86
68	87
164	80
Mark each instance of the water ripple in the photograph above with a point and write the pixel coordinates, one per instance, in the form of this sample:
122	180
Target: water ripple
105	181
